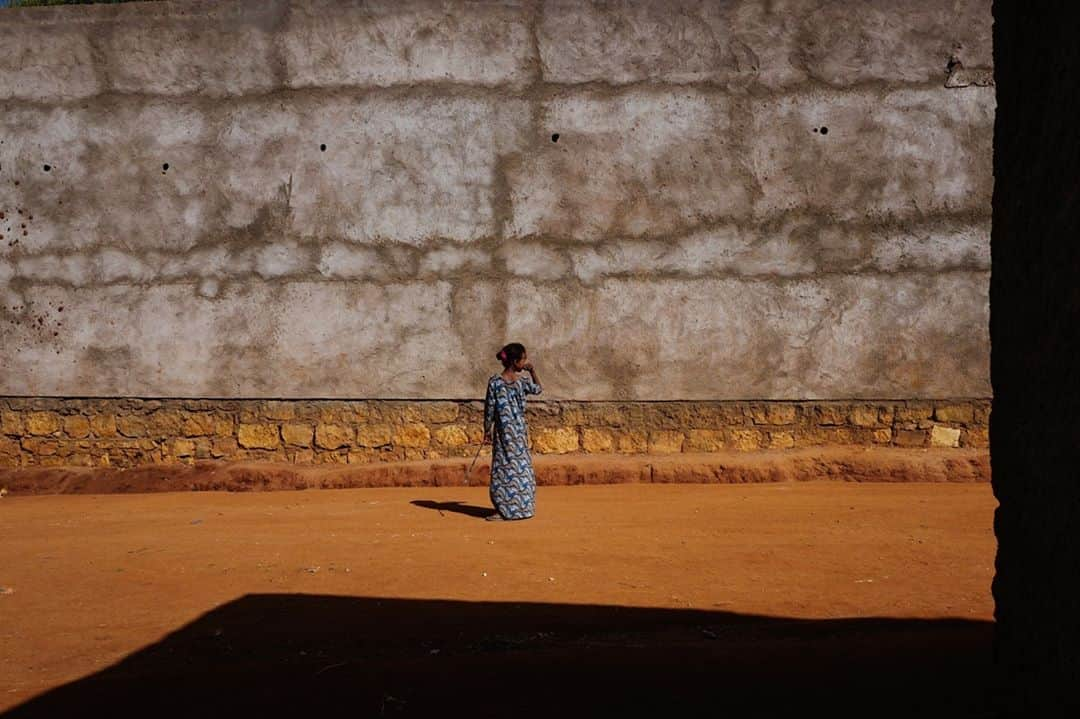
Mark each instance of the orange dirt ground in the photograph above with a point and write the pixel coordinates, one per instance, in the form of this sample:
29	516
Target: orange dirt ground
861	599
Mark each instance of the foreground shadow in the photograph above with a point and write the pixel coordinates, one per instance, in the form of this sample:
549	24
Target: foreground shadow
295	654
468	509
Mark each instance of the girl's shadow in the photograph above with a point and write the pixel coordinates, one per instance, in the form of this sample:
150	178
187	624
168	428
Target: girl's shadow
459	507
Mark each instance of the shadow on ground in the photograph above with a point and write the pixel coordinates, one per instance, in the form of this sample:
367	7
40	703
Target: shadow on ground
470	510
290	654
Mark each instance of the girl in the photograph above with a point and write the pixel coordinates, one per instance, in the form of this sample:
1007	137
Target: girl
513	483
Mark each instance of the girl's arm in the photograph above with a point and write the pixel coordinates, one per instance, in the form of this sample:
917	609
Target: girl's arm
489	412
536	388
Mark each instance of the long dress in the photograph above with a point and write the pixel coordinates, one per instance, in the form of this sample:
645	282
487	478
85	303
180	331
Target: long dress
513	482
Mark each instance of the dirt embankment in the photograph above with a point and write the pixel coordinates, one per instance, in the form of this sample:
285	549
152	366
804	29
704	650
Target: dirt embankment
812	464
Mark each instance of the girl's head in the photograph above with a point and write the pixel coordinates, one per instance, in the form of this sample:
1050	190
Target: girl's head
511	355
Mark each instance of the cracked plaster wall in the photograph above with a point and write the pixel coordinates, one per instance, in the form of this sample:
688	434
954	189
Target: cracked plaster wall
676	200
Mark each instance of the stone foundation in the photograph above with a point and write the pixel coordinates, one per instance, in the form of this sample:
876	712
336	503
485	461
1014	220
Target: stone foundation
129	432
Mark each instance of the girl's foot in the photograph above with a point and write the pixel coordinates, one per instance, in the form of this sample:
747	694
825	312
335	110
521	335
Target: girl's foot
494	517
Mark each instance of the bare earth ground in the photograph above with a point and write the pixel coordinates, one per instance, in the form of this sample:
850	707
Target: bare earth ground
859	598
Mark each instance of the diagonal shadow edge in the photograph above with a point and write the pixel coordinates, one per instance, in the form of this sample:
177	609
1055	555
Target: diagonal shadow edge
281	653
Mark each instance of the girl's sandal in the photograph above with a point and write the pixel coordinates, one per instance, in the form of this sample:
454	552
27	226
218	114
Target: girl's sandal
494	517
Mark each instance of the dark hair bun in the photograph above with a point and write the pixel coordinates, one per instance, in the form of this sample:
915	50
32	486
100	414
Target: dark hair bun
511	353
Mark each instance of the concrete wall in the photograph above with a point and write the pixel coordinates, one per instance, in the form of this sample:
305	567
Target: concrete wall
746	199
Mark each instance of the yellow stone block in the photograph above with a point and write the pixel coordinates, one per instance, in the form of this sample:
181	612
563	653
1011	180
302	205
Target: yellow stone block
199	424
39	446
914	411
883	436
944	437
333	436
746	439
10	423
979	438
258	436
864	416
839	435
573	416
610	416
409	414
43	423
910	438
103	425
224	447
772	413
359	457
558	440
439	412
202	447
451	436
297	435
961	413
830	414
781	440
362	412
704	440
9	447
277	409
166	423
335	413
75	425
597	441
374	435
131	425
633	442
81	460
412	435
223	427
665	442
183	447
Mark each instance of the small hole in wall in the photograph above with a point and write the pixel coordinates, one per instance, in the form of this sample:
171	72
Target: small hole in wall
47	168
824	131
322	148
165	167
555	137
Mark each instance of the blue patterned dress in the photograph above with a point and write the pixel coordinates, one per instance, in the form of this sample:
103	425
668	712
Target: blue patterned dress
513	483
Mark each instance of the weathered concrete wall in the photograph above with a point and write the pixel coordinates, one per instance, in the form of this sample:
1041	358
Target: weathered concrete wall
663	200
